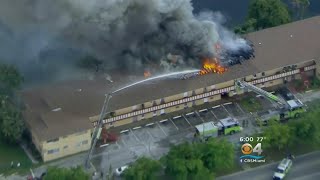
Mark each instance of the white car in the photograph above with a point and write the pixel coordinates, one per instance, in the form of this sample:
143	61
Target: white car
282	169
120	170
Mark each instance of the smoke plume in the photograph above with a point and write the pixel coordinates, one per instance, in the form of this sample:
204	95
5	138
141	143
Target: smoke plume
49	37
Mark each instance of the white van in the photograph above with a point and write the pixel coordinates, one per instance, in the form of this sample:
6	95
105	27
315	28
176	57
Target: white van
282	169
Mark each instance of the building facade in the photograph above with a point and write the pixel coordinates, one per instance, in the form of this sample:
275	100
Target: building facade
61	118
208	94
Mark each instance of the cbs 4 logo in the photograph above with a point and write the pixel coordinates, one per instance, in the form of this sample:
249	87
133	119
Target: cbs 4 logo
247	149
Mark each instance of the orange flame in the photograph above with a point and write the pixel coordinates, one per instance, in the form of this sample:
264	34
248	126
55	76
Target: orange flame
212	66
147	74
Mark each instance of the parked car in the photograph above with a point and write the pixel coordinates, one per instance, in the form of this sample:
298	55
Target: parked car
120	170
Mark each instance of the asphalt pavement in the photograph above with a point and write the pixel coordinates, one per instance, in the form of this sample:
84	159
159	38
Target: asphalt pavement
305	167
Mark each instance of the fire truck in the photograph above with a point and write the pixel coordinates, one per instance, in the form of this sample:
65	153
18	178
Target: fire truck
285	109
226	126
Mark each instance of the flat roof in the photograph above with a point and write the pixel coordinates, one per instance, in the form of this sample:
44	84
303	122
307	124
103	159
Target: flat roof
228	121
274	47
294	103
206	127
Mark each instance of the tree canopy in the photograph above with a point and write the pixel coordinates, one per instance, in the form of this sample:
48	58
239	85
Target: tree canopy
199	160
10	78
11	123
301	6
54	173
307	128
217	155
143	169
277	135
264	14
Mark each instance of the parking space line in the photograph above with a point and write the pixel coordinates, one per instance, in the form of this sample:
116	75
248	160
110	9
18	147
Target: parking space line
176	117
150	135
216	106
135	128
163	120
135	136
214	115
227	111
199	116
202	110
118	145
124	131
188	114
240	108
150	124
124	142
174	124
187	120
228	103
104	145
162	129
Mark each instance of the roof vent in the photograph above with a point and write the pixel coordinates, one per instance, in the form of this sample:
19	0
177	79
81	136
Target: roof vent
56	110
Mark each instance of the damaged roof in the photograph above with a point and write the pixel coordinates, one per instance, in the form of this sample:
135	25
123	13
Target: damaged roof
274	47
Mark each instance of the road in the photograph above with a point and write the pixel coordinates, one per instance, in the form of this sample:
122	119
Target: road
305	167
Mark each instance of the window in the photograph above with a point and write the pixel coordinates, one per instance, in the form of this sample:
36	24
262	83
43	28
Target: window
53	151
263	73
53	140
84	142
254	75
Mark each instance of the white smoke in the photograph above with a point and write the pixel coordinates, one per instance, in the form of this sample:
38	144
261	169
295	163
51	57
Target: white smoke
123	33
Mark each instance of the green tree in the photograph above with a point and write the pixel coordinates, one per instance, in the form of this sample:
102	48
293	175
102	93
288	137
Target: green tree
217	154
301	6
184	162
143	169
10	78
11	124
307	128
264	14
55	173
277	135
248	26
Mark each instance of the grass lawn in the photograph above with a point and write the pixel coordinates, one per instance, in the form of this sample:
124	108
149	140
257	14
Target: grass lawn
15	153
251	104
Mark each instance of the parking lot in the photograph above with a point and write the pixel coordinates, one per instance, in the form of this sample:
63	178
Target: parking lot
155	139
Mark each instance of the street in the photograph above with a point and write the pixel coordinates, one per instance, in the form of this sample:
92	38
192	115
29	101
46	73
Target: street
305	167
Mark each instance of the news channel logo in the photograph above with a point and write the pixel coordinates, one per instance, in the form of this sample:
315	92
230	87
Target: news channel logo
248	156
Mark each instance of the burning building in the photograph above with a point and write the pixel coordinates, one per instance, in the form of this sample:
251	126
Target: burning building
277	58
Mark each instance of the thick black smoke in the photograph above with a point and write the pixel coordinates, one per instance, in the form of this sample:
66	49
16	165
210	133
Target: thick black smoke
48	37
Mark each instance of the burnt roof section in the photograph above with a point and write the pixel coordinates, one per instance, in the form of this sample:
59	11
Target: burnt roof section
274	47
